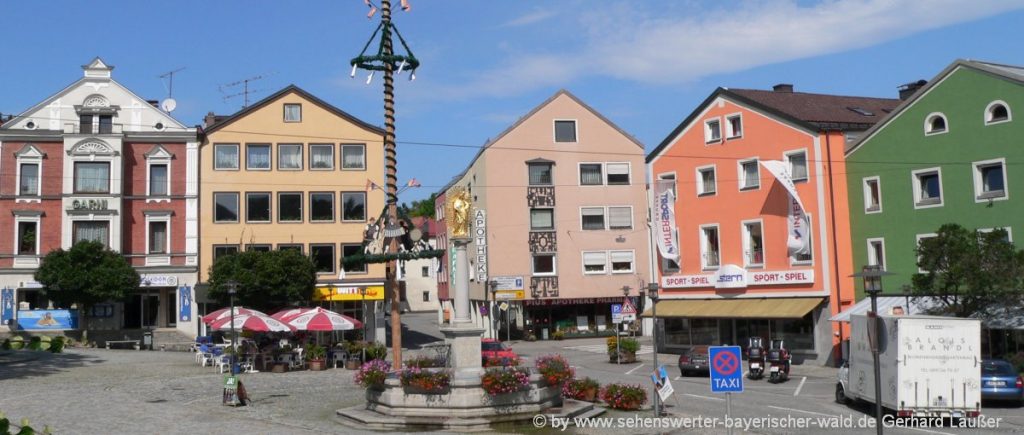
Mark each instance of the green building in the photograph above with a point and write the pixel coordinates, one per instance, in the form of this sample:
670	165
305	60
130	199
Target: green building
951	152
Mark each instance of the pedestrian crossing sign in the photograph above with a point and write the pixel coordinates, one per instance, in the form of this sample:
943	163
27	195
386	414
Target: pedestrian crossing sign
628	307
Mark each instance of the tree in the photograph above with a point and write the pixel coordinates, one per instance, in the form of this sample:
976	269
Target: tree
89	273
423	207
266	280
970	273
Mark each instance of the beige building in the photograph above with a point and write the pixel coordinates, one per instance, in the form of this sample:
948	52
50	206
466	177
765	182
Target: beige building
560	221
291	172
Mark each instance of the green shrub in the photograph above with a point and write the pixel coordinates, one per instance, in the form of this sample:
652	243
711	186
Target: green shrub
376	351
6	345
35	344
57	345
629	345
17	342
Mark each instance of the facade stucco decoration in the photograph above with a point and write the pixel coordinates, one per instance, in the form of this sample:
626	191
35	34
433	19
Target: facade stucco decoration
543	241
94	101
544	286
89	147
459	209
540	196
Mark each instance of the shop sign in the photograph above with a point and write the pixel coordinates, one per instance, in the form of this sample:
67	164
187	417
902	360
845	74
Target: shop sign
480	236
731	276
89	204
509	282
505	295
159	281
351	293
576	301
787	277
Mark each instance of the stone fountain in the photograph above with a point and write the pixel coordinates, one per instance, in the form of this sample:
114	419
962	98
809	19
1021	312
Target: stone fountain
465	406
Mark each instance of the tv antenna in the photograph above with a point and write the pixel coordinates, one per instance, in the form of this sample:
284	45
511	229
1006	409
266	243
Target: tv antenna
244	93
168	105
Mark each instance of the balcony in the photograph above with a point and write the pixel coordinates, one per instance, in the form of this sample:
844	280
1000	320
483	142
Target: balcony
78	128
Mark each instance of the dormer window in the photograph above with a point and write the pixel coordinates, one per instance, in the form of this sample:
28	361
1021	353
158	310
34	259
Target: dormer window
996	112
935	124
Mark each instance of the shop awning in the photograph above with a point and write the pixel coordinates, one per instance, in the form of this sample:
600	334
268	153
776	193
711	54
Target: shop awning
759	308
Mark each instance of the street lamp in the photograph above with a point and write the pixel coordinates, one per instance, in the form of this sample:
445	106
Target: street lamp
618	337
872	276
232	290
652	292
493	284
362	292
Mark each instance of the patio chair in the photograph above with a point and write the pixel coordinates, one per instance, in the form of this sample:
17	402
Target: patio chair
298	361
224	363
205	355
339	356
286	358
248	365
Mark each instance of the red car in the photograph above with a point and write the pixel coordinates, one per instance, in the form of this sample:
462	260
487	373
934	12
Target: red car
491	348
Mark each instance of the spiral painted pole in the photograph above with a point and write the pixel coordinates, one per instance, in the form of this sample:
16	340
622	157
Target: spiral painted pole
391	172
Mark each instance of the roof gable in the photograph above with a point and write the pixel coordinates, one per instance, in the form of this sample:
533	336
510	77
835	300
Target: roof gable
301	93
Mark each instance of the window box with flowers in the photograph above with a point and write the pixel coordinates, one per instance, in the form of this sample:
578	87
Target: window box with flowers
498	381
372	374
585	389
425	381
624	396
554	369
502	362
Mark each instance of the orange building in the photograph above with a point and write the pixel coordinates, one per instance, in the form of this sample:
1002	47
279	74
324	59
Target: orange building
753	256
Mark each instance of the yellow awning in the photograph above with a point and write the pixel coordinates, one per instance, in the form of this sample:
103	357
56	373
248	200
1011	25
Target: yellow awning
760	308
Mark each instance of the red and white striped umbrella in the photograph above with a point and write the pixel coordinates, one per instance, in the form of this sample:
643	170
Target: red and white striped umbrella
289	312
224	313
319	319
252	322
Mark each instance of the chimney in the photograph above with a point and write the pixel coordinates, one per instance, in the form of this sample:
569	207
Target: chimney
209	119
783	87
908	89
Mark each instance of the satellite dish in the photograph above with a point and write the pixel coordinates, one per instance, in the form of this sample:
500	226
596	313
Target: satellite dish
169	105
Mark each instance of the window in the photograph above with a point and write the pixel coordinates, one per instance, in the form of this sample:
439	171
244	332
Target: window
292	113
92	177
290	247
321	207
28	182
927	188
935	123
106	124
622	261
753	244
159	184
990	180
618	173
225	157
257	207
225	207
595	263
590	174
85	124
592	218
253	247
620	218
876	252
323	257
321	156
96	231
354	249
425	272
223	251
996	112
750	176
353	206
706	184
805	256
257	157
426	296
289	207
28	238
712	130
542	219
709	247
540	174
289	157
565	131
353	157
797	165
669	178
543	264
872	195
157	237
734	126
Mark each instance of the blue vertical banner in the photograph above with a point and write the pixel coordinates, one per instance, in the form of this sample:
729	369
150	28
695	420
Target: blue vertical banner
185	304
6	305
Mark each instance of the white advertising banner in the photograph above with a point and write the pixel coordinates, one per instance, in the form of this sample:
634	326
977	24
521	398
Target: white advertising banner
665	220
798	240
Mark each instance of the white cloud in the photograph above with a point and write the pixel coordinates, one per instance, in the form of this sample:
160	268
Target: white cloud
536	16
625	43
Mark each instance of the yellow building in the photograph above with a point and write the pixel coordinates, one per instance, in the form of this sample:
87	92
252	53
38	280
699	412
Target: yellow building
291	172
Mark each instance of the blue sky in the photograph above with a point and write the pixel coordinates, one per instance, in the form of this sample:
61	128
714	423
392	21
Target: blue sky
645	65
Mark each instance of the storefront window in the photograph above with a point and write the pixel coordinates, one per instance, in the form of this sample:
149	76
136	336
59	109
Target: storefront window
798	333
677	331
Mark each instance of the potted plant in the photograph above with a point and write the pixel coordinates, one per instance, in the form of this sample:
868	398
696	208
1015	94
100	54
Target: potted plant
624	396
316	355
496	381
555	369
425	381
372	374
622	351
581	389
17	342
502	362
376	351
558	335
423	362
530	336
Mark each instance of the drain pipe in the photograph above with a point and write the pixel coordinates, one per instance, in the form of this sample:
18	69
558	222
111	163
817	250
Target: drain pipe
835	248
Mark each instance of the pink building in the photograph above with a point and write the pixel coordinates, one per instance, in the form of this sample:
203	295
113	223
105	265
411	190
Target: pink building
559	222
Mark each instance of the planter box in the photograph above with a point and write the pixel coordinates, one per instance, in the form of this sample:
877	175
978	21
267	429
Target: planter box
317	364
412	389
353	364
279	368
623	357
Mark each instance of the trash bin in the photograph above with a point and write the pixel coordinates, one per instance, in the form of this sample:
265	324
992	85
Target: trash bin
147	340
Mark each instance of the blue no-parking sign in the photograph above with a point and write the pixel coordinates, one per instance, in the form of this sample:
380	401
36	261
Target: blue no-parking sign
726	369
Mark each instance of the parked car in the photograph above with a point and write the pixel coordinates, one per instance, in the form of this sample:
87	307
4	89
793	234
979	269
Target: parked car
1000	381
491	348
694	360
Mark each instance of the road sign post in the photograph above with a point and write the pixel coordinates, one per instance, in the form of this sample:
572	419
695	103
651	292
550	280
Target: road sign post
726	375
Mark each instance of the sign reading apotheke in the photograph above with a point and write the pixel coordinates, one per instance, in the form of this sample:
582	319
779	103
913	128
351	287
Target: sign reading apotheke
480	237
733	278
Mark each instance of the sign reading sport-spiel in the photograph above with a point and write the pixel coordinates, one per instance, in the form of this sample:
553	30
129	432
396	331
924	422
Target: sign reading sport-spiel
734	279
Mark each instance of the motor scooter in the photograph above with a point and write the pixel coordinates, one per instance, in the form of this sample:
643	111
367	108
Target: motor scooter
779	362
755	358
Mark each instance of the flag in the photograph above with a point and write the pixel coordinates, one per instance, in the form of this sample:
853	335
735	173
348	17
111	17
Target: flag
370	185
798	223
413	183
665	220
373	9
405	5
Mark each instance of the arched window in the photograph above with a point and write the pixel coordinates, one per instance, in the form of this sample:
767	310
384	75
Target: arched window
935	123
996	112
